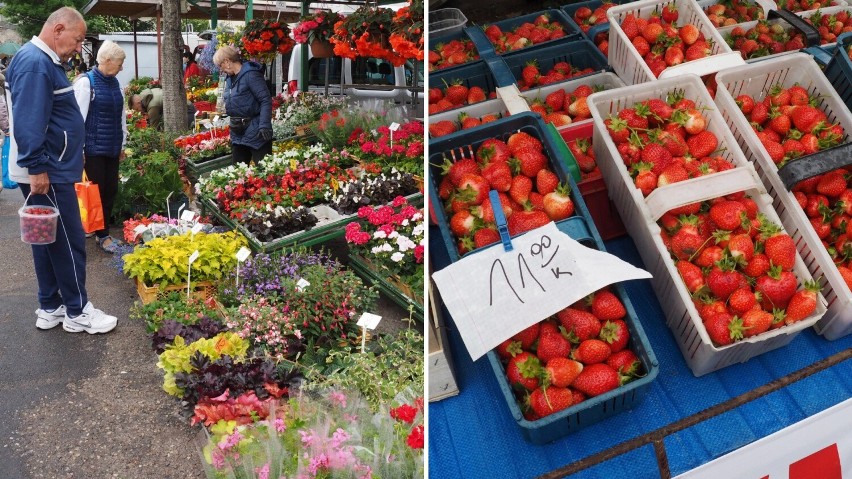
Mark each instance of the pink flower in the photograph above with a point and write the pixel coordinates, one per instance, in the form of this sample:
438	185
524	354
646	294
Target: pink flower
418	253
338	398
399	201
387	228
364	212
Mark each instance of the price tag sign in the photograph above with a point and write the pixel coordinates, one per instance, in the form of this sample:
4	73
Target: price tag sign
302	284
216	119
369	320
494	294
139	229
196	228
394	126
193	257
243	254
187	215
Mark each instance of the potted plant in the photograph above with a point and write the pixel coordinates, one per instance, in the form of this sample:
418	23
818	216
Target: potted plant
263	39
366	33
316	30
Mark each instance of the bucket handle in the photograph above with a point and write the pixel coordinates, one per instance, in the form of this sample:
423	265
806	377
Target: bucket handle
48	199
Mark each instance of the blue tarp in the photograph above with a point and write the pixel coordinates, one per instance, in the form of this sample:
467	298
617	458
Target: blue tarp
473	435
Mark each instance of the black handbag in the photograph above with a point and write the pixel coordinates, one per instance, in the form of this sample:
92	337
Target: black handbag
239	125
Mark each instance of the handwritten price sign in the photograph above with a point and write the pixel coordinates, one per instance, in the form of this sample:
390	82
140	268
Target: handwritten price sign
493	295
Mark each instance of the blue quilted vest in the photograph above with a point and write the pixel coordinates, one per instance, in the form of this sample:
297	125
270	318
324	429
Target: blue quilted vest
104	120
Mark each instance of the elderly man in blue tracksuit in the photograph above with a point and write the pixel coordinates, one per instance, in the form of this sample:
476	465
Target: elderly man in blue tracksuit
46	159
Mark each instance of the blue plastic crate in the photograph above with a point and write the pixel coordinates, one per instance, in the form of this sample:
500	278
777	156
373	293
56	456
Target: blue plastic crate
592	410
839	69
580	53
485	50
572	31
487	75
580	226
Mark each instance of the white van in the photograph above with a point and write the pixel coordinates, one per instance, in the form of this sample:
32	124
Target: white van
362	71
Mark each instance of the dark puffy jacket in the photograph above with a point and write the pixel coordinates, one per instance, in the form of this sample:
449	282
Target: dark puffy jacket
246	96
104	134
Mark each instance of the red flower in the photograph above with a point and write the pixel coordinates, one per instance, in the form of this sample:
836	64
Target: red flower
415	439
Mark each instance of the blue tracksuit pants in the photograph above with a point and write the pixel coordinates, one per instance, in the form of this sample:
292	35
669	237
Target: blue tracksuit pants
61	266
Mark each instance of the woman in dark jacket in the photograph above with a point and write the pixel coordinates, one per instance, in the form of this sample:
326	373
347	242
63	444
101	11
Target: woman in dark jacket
249	105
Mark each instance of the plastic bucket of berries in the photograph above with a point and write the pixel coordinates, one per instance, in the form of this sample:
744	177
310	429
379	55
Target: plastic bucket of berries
38	223
656	38
723	13
792	89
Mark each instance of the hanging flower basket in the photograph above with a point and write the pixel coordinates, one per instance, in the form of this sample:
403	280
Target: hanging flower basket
322	49
366	33
263	39
407	37
316	30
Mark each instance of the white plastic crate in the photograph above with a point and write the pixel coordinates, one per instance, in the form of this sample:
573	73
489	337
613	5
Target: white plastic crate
627	63
477	110
605	80
640	216
756	80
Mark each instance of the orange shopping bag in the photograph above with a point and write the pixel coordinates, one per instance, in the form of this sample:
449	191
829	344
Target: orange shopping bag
89	200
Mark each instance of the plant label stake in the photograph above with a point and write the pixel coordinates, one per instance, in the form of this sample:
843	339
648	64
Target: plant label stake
367	321
302	284
195	229
169	210
393	127
242	255
215	123
138	230
192	258
181	211
196	120
187	216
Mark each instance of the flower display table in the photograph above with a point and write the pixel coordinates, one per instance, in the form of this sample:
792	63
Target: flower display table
390	285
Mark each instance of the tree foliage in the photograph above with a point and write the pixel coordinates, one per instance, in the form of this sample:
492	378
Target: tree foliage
29	16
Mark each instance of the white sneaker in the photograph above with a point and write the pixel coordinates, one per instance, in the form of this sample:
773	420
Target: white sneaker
92	321
50	319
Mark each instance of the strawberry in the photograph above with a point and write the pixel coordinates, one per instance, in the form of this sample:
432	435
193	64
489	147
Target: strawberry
780	249
558	204
606	306
688	34
686	244
561	372
468	122
657	156
670	13
546	181
435	95
651	32
530	73
522	221
529	335
557	119
746	104
492	150
521	188
617	129
456	170
580	325
530	161
498	174
524	369
674	56
485	236
596	379
691	275
693	121
741	248
579	109
615	333
630	26
719	327
727	214
645	180
442	128
592	351
508	349
702	144
756	321
776	288
475	95
832	184
456	93
546	401
672	174
625	363
552	345
462	223
803	303
723	281
742	300
472	189
523	141
555	100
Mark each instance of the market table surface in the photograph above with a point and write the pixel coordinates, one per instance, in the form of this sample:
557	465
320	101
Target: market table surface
473	435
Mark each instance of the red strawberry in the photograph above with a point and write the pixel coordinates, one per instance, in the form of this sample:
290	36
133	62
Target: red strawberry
468	122
656	155
646	180
546	401
580	325
462	223
530	73
458	169
709	256
723	282
442	128
719	327
686	244
592	351
702	144
508	349
746	103
741	248
625	363
475	95
499	175
758	266
485	236
558	204
674	56
670	13
630	26
615	333
776	287
756	321
552	345
606	306
672	174
617	129
727	214
528	336
832	184
742	300
780	249
524	369
546	181
688	33
523	221
555	100
596	379
803	303
691	275
456	93
561	372
529	162
472	189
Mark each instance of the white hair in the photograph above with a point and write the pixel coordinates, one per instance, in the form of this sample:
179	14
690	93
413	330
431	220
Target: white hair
110	50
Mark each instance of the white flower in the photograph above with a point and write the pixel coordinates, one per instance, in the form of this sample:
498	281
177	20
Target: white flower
380	234
393	234
404	222
387	247
397	257
376	249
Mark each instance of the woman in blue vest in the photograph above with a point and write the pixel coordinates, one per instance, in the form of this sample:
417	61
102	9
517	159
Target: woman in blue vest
102	105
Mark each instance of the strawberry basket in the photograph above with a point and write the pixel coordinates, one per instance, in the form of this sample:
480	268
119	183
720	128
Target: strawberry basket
590	18
720	14
555	19
454	148
579	54
458	42
640	217
597	81
592	409
630	65
787	23
487	75
756	80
